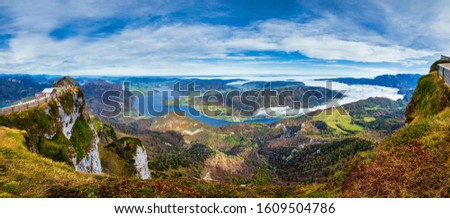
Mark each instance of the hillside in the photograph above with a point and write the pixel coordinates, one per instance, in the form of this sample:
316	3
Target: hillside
431	97
335	152
415	160
26	174
255	153
60	130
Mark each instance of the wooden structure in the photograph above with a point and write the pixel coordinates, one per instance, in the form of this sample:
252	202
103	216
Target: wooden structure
31	103
444	72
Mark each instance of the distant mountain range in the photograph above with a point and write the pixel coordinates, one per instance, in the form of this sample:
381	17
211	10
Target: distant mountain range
406	83
16	87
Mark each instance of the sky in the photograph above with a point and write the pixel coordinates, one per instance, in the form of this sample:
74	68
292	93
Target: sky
205	38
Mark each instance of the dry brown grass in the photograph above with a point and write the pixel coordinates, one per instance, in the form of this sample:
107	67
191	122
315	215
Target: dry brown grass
401	172
420	168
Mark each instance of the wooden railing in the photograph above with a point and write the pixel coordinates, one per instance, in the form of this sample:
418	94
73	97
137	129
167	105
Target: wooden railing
31	103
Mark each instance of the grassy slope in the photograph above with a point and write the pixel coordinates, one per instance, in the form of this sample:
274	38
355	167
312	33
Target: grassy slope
116	150
24	174
432	95
338	120
414	161
179	188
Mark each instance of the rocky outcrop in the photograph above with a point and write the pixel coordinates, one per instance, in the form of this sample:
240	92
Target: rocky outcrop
141	163
91	162
131	156
60	130
68	120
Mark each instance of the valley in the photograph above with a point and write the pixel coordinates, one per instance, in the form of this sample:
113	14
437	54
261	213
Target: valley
325	152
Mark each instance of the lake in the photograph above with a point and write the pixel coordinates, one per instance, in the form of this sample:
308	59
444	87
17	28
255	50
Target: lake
152	106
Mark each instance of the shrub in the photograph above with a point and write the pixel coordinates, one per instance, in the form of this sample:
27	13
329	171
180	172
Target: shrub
56	148
81	137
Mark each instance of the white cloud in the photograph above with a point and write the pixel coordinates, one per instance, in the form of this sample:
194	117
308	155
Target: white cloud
44	15
439	28
330	48
352	93
422	24
182	47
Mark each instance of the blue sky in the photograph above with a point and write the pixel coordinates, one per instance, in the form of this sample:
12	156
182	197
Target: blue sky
322	37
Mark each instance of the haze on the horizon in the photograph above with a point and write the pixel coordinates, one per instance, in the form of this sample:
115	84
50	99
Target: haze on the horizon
335	38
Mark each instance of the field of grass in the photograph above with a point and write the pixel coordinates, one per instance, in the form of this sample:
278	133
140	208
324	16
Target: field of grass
369	119
340	122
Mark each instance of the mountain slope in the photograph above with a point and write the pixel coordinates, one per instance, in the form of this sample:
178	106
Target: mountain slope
60	130
414	161
25	174
16	87
320	155
431	96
